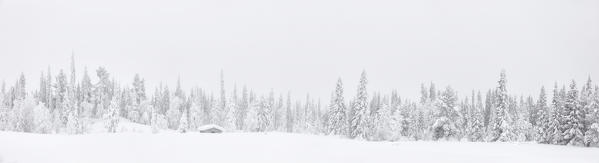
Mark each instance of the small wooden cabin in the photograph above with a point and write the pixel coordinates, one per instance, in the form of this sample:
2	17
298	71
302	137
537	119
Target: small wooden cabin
211	129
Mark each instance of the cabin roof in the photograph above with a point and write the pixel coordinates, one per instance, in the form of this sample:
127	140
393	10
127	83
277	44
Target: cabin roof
210	126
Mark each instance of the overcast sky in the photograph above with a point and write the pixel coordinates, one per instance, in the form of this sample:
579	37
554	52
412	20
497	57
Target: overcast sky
305	45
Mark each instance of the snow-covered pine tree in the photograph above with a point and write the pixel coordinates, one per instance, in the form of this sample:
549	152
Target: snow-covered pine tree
586	100
42	119
591	138
263	114
230	122
102	91
359	121
337	115
73	87
73	82
183	123
158	121
562	115
252	123
277	114
395	102
475	125
543	121
590	104
554	131
592	133
289	118
73	124
271	111
220	111
384	127
464	118
111	116
173	115
50	91
446	116
573	126
42	94
209	109
304	118
153	120
87	103
423	94
61	88
502	128
432	92
178	90
488	114
195	114
21	114
242	110
138	89
20	91
376	106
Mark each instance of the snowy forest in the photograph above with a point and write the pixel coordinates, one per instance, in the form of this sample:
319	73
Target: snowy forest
562	114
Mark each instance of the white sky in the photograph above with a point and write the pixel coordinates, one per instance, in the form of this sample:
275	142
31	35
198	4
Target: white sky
305	45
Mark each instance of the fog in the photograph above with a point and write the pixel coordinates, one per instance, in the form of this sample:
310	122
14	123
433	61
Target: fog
303	46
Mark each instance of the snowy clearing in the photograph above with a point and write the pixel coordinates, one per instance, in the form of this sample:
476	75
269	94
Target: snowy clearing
267	147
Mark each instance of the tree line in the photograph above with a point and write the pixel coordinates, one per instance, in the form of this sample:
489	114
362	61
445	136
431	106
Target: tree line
70	105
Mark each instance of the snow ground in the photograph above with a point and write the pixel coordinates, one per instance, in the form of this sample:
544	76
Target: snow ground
267	147
125	126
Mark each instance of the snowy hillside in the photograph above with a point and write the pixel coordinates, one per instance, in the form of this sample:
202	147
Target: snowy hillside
267	147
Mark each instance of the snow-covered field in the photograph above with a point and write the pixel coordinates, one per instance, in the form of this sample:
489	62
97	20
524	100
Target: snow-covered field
267	147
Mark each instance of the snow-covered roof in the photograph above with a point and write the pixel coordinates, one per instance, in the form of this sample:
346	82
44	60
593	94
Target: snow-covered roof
210	126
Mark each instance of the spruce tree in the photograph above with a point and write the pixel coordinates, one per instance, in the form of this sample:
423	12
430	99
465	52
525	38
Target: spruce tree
423	94
543	121
112	116
359	121
554	131
289	114
502	128
263	114
241	113
337	116
592	133
221	111
183	123
73	82
138	90
432	92
573	123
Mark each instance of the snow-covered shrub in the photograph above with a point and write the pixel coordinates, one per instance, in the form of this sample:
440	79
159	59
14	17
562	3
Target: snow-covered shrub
158	122
524	130
73	123
251	121
173	114
592	136
145	109
195	116
183	123
4	119
230	116
43	119
112	116
443	128
22	115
